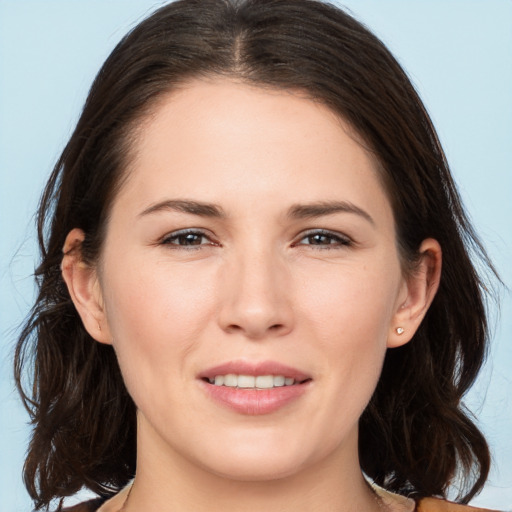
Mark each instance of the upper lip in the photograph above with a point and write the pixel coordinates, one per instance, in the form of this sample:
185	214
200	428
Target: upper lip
255	368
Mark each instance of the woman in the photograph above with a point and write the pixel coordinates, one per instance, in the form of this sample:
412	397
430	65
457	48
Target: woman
241	296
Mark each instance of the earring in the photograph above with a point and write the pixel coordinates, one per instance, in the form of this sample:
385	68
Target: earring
400	330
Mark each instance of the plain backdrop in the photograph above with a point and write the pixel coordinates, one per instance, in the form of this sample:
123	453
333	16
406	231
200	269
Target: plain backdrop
458	54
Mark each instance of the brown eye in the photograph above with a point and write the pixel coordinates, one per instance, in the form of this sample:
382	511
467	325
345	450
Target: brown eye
186	239
324	239
320	240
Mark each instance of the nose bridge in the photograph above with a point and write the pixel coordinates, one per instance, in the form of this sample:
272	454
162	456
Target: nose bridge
256	299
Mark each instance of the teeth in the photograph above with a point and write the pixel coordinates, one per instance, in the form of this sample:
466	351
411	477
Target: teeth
249	381
246	381
265	381
279	380
230	380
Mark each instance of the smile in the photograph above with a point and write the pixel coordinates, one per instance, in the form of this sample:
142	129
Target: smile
254	388
251	382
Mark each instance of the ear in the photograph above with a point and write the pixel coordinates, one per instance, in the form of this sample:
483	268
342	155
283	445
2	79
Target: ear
418	292
84	287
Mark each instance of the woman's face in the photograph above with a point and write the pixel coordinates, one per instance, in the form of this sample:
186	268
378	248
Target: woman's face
251	244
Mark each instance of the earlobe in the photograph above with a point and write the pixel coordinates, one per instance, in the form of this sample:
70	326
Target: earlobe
420	288
84	288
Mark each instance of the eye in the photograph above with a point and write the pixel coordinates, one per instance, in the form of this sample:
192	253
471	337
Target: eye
323	239
187	238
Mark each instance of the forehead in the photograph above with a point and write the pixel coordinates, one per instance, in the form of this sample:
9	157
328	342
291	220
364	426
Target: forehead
225	137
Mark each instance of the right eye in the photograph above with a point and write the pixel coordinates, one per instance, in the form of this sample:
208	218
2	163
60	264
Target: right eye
186	238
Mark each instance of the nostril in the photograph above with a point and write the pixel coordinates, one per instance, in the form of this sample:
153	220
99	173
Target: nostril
234	327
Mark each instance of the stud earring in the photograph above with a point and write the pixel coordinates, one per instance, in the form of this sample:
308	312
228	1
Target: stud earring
400	330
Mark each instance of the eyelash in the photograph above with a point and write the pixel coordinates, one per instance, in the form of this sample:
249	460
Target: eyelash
335	240
172	238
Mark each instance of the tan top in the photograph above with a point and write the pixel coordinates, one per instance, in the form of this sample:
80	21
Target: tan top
393	501
114	504
436	505
401	503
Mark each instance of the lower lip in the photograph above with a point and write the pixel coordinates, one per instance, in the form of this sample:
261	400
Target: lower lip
255	401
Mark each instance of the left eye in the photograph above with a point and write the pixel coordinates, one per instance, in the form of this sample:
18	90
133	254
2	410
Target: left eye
324	239
186	239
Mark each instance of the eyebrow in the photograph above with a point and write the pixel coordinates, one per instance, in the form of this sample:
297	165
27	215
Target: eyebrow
186	206
313	210
297	211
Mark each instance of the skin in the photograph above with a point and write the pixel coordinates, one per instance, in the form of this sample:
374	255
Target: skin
323	293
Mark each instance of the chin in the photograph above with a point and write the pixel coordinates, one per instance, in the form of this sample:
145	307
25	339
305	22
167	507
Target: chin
258	460
244	470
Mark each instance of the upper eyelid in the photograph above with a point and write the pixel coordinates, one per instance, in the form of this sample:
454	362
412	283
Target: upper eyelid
303	234
326	232
187	231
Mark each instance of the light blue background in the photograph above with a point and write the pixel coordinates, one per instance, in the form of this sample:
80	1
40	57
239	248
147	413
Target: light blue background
457	52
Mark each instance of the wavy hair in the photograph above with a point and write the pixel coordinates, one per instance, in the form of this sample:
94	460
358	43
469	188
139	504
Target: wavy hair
415	435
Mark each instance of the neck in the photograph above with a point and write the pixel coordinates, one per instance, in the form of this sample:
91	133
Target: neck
167	482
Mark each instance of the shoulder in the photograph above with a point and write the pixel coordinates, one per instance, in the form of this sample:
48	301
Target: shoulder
86	506
438	505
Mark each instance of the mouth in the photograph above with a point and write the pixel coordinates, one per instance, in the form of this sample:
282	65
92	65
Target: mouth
254	388
232	380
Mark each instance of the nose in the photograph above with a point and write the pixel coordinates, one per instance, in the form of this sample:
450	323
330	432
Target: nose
256	296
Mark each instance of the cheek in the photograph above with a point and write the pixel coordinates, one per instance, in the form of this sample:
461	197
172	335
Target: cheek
155	315
352	305
349	318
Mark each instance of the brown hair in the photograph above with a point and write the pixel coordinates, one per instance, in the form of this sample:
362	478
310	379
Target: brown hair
415	435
